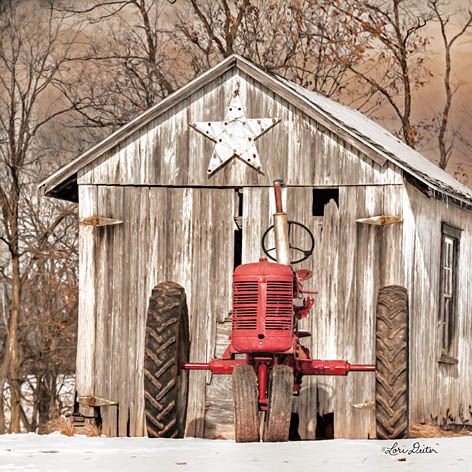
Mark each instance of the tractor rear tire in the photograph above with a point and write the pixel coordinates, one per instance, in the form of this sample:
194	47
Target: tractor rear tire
279	410
391	385
245	404
166	345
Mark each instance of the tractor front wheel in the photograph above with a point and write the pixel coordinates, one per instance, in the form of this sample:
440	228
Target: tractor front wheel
245	404
166	345
279	411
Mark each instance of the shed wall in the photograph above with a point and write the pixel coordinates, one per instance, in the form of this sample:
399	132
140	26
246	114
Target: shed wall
176	230
187	235
167	234
167	151
439	393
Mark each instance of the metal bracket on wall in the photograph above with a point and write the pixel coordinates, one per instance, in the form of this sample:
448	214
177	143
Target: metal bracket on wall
91	400
380	220
239	222
364	406
99	221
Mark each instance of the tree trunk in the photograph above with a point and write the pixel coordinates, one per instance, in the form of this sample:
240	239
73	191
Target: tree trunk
4	366
13	346
46	396
2	414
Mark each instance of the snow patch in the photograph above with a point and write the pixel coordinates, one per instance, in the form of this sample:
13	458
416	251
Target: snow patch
31	452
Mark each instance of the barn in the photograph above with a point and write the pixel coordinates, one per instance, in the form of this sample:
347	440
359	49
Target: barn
159	200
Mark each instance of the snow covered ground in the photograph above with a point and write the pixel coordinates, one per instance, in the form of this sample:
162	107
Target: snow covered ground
54	452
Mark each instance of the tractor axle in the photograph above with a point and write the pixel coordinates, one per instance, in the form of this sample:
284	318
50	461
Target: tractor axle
304	367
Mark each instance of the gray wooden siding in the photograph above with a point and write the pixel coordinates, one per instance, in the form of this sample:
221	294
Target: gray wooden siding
350	263
439	393
187	235
167	151
167	234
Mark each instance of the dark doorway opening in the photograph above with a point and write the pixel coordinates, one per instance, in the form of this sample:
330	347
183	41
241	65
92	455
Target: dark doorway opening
238	232
293	434
321	197
325	426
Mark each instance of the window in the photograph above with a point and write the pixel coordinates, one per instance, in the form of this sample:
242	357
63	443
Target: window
450	237
321	197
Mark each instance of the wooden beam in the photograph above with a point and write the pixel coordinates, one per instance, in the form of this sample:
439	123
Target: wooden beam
99	221
380	220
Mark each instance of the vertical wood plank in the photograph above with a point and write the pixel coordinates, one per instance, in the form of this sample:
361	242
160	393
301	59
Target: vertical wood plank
347	296
116	255
143	262
125	253
370	260
220	256
85	377
134	218
104	320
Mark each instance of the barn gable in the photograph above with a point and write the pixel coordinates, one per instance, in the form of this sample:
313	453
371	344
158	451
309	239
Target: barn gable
154	148
179	223
168	151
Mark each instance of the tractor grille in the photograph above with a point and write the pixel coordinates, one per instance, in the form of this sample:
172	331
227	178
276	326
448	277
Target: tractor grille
245	298
279	305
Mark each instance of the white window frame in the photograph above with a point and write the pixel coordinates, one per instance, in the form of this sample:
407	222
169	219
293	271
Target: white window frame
450	244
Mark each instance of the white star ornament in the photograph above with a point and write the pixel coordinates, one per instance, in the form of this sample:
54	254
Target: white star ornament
235	136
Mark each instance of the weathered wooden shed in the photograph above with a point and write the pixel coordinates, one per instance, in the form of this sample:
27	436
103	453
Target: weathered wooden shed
181	222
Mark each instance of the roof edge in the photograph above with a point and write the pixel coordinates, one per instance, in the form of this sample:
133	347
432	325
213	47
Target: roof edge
364	145
372	150
47	185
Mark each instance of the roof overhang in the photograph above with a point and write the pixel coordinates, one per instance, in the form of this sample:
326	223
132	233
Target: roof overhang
63	183
59	183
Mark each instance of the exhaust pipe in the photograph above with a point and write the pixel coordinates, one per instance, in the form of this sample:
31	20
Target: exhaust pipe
282	248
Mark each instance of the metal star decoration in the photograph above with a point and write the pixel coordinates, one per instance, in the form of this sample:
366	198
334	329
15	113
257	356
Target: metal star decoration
235	137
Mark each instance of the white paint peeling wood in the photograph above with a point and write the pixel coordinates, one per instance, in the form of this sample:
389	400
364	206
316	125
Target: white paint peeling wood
439	393
103	316
219	421
325	318
186	250
123	241
85	381
180	156
369	262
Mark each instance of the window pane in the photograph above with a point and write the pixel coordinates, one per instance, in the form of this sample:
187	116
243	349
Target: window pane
447	297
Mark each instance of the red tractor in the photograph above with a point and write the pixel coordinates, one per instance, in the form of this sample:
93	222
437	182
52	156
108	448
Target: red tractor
265	357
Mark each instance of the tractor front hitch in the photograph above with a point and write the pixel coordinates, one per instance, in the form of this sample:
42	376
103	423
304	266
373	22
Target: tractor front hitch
304	366
322	367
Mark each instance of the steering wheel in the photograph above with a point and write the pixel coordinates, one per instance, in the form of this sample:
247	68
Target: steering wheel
306	252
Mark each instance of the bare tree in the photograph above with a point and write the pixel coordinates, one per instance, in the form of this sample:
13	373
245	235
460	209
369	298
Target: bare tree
142	58
34	47
47	333
129	66
441	15
395	66
298	39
